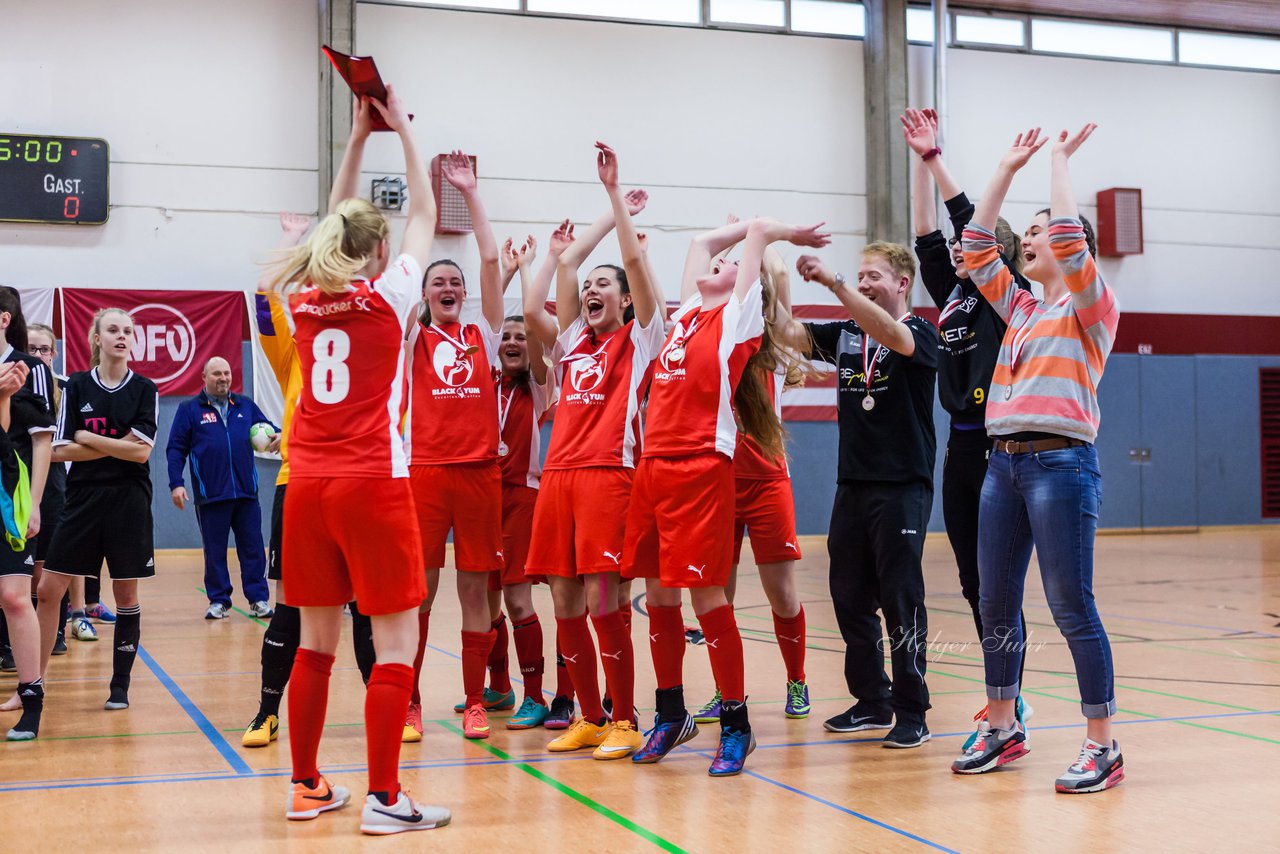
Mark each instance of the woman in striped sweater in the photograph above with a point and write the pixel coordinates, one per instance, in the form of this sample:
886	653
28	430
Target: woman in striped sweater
1043	487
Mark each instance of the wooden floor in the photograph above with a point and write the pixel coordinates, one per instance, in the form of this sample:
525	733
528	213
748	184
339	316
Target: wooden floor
1194	621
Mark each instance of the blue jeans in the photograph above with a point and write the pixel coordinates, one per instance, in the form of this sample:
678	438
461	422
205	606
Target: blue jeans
1048	500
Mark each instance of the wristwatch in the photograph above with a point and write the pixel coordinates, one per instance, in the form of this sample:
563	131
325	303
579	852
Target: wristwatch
840	280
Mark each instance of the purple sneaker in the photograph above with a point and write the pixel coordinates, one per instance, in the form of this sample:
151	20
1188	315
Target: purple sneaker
665	737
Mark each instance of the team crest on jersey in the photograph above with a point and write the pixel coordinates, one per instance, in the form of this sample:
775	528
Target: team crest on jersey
452	366
673	352
586	370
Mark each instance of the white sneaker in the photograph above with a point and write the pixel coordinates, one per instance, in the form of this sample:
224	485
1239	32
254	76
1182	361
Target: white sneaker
83	630
261	609
404	814
217	611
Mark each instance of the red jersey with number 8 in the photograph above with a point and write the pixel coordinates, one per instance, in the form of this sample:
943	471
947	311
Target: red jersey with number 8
351	349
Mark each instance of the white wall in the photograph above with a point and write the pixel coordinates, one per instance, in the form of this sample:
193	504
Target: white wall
210	110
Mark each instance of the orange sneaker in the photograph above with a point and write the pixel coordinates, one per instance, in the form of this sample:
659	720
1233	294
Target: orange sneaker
475	722
306	803
412	725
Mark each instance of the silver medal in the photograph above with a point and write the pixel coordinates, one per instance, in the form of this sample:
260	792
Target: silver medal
868	403
503	450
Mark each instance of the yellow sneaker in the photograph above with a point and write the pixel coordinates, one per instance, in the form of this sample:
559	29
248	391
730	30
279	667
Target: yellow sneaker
580	735
621	741
263	730
412	725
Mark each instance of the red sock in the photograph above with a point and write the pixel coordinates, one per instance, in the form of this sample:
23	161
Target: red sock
579	652
790	634
475	651
528	638
666	644
424	622
499	678
625	611
725	647
618	658
385	700
308	700
564	682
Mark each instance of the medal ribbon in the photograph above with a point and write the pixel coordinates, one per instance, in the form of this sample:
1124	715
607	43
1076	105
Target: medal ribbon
867	369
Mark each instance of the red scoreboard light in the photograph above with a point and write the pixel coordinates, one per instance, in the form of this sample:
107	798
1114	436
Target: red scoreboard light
1120	221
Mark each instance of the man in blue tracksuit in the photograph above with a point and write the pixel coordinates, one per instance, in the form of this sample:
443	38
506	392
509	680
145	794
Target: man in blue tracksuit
212	429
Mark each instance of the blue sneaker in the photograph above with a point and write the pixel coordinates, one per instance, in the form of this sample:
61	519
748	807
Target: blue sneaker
710	713
732	753
665	737
1023	711
797	700
530	714
99	613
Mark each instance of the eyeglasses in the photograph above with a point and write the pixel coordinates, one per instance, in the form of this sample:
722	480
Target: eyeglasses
42	350
952	241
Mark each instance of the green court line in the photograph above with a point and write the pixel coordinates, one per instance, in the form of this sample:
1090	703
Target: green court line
121	735
237	610
616	818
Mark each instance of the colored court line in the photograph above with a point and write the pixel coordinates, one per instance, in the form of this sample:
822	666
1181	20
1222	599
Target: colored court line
198	777
202	723
588	802
237	610
1168	622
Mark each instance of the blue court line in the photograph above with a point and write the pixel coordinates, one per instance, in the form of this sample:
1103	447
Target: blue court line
202	723
198	777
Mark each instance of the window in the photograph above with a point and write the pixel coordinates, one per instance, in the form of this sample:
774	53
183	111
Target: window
974	29
828	16
919	25
675	11
756	13
505	5
1231	51
1106	40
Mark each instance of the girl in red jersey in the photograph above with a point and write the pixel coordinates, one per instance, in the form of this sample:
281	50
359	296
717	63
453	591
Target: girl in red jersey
680	522
608	336
764	507
451	437
350	529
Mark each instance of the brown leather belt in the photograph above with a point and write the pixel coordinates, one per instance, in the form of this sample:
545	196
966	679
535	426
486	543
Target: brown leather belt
1037	445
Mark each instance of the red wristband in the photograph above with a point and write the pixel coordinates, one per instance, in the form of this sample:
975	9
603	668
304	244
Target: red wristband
930	154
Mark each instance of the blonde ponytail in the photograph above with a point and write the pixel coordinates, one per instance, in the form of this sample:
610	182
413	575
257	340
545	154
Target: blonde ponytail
337	250
95	344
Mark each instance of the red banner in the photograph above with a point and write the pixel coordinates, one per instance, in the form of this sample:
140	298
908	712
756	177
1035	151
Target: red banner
174	332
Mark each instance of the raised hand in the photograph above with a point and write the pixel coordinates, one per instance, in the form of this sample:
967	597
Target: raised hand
808	235
294	225
561	238
1024	146
811	268
457	170
636	200
394	112
509	259
361	116
607	165
1067	144
920	133
528	252
731	219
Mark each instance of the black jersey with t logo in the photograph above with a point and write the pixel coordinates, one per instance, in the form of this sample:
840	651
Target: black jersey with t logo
117	412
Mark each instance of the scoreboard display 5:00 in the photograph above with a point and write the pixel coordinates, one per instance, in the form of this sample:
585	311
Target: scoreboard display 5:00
56	179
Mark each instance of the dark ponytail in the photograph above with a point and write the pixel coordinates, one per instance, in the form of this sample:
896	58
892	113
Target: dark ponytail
629	313
425	316
16	334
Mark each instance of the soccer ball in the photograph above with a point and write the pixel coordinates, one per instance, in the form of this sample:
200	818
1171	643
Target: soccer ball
260	435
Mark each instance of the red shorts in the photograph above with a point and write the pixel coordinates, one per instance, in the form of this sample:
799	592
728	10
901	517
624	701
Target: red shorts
517	527
466	497
352	538
580	522
767	511
680	523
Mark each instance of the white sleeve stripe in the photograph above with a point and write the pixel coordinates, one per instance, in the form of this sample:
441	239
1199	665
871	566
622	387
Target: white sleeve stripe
144	437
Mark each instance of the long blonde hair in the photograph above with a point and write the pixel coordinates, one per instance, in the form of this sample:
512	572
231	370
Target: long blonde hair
338	248
95	346
751	400
44	329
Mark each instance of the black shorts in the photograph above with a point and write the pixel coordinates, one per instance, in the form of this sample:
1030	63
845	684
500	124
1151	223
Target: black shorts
111	523
17	563
277	534
50	511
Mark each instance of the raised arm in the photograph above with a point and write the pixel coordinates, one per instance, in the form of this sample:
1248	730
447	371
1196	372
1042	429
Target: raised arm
1024	146
458	172
346	182
510	261
1062	201
762	232
644	298
537	320
568	296
524	260
420	230
871	318
1091	298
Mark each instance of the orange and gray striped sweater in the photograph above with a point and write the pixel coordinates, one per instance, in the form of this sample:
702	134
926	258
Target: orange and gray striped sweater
1052	356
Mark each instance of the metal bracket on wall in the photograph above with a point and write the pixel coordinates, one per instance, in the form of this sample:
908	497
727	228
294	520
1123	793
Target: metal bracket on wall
1139	455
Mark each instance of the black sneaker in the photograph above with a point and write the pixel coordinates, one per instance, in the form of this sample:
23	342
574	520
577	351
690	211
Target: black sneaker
561	715
6	660
991	748
859	717
60	645
907	733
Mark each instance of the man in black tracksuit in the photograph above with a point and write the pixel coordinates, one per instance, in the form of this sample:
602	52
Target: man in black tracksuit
887	365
